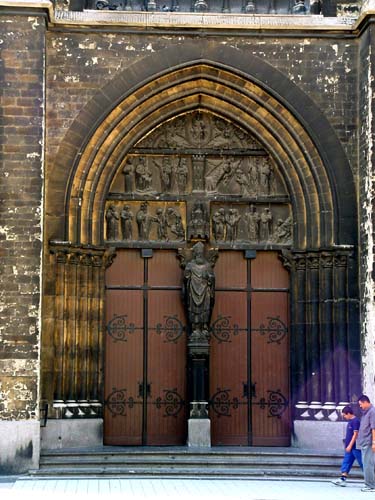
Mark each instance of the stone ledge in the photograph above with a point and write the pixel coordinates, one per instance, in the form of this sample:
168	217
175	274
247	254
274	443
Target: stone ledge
198	20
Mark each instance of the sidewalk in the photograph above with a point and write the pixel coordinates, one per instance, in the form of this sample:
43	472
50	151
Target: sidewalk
177	489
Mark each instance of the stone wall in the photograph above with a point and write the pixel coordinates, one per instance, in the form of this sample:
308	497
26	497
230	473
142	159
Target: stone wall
21	171
366	207
79	64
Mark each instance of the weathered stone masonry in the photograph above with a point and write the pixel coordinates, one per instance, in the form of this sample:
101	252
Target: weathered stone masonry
21	172
335	71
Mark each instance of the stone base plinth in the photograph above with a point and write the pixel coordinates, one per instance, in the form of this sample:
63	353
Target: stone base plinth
75	433
323	436
19	446
199	432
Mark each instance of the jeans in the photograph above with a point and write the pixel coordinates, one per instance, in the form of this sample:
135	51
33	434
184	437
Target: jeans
349	458
368	466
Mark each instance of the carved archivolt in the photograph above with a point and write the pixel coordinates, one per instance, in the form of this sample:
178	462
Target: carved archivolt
198	176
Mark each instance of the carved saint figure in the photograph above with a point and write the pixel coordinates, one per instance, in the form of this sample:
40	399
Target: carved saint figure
253	176
175	223
165	174
199	292
128	172
266	177
182	175
218	224
161	221
126	223
232	220
144	221
219	175
283	231
252	219
112	218
143	175
198	226
243	181
265	231
198	129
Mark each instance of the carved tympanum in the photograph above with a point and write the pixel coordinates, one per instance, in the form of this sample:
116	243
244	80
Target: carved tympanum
204	175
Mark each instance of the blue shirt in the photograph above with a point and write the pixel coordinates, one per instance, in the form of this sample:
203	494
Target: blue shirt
353	425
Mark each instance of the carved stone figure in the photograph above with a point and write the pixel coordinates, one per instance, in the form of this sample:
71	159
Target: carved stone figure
218	224
165	174
219	175
252	219
175	223
128	172
265	231
127	223
182	173
232	220
144	221
283	231
161	221
253	176
266	177
199	292
198	226
198	129
243	181
143	175
112	218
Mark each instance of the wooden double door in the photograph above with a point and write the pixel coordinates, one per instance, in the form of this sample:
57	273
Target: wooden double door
146	351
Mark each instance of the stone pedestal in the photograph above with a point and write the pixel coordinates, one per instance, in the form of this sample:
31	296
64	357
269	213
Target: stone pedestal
199	432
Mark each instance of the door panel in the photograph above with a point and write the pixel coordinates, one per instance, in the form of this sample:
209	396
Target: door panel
166	404
228	369
269	369
249	359
145	366
123	367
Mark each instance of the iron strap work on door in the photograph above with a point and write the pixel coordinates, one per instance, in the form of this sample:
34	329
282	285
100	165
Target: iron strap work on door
249	380
145	400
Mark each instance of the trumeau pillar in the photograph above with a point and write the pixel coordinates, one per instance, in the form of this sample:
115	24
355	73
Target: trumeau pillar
78	338
325	342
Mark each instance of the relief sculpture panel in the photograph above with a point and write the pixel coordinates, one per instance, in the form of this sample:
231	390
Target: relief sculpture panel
140	221
199	177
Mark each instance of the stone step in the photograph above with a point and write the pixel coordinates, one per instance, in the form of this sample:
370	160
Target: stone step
192	472
187	462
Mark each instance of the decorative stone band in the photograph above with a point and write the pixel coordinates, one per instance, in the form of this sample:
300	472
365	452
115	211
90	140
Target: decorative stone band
78	317
317	411
206	20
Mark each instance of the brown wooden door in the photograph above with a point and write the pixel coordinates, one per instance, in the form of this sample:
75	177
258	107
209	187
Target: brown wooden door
249	363
145	361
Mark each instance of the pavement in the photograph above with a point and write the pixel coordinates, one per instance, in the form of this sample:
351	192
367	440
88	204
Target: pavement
25	488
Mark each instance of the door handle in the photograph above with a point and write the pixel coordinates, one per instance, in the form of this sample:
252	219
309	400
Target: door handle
141	389
246	393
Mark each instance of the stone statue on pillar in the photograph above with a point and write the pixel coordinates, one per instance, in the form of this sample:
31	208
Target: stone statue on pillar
199	293
199	298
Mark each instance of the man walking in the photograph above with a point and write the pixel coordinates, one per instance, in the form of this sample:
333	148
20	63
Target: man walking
366	440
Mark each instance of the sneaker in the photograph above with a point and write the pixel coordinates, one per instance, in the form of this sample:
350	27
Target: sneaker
339	482
367	488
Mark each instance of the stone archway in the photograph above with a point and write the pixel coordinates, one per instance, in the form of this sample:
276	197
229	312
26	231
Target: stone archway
316	176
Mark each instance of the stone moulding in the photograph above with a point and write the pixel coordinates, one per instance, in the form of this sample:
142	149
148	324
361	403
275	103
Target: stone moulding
206	20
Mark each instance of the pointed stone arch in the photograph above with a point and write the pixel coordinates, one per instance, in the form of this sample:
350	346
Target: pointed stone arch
261	100
246	90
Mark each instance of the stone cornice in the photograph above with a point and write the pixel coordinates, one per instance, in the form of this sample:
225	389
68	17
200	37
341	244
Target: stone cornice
190	20
29	4
181	20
